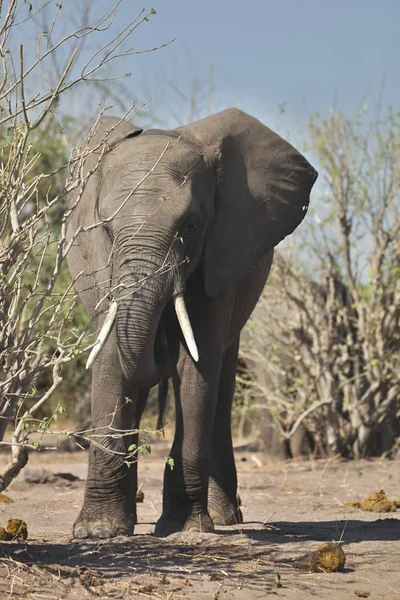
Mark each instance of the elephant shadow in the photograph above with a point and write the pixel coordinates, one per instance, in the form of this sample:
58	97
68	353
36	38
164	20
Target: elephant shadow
143	555
348	531
230	550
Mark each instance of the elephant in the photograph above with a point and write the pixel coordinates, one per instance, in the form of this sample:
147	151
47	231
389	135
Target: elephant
171	242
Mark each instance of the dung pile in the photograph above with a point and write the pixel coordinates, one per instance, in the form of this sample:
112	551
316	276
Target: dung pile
16	528
5	499
328	558
376	502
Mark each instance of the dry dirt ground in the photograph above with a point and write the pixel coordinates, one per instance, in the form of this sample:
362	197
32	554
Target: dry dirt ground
289	510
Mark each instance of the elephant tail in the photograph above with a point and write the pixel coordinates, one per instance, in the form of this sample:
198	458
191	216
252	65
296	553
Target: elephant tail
162	402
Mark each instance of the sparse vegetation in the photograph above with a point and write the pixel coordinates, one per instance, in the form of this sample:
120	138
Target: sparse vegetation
42	327
323	347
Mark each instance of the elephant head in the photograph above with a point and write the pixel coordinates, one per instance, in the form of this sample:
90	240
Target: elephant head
216	195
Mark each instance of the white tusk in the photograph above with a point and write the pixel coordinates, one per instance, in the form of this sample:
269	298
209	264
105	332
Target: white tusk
103	335
184	322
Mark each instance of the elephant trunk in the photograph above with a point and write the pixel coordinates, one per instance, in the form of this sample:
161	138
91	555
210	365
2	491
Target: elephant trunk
144	287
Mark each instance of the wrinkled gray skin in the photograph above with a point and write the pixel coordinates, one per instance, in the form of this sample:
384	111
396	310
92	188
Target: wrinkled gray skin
216	197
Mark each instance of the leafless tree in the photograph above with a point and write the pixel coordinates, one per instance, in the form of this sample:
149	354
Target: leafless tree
35	314
324	344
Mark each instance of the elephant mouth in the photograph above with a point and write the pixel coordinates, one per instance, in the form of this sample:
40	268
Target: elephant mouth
153	369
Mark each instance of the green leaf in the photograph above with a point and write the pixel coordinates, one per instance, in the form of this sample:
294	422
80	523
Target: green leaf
170	462
132	448
278	582
43	424
145	449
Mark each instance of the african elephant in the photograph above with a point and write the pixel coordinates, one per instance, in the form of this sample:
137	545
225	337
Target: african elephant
187	222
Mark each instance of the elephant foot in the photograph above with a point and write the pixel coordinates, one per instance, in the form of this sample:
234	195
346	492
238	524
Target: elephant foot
96	524
226	515
169	524
224	512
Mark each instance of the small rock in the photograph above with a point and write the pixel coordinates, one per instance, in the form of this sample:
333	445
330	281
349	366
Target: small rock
139	496
38	476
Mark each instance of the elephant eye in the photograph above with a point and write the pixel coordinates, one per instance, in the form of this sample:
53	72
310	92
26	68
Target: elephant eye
106	229
191	228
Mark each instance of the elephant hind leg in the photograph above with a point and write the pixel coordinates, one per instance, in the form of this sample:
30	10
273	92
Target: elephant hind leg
185	486
223	502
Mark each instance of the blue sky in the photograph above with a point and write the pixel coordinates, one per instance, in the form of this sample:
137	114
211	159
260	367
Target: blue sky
307	53
311	55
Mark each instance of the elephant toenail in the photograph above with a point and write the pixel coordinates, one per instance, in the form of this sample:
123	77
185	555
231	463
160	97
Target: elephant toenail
102	533
80	532
123	533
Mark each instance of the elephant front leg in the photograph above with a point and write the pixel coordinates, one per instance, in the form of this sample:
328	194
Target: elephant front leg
186	484
223	502
108	501
134	440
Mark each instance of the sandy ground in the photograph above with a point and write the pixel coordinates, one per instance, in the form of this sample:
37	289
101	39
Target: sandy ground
289	510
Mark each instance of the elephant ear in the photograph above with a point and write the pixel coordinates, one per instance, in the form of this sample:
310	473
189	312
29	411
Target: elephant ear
263	190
